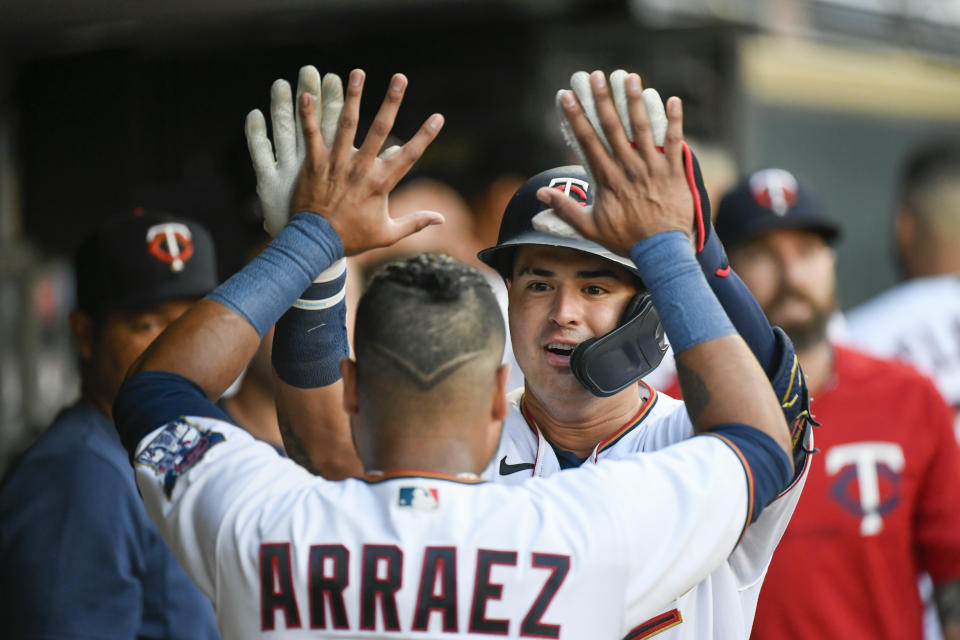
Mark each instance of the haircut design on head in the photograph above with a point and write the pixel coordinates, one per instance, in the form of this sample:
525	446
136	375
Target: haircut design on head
424	318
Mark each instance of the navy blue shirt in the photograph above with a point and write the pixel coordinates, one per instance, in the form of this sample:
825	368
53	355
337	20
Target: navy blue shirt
79	557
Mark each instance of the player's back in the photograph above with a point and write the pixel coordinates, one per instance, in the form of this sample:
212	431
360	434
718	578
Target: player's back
424	555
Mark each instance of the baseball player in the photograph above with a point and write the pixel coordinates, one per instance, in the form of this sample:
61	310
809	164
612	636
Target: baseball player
420	547
883	496
585	328
79	556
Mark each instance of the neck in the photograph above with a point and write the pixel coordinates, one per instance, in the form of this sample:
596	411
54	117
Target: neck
254	408
935	257
88	395
817	363
579	426
440	453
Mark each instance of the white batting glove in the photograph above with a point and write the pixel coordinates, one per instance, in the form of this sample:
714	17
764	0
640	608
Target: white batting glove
580	84
277	174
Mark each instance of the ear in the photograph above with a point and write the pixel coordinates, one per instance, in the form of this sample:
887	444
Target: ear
905	236
498	408
81	326
348	371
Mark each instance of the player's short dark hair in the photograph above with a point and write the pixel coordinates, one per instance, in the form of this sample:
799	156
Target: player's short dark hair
423	318
928	165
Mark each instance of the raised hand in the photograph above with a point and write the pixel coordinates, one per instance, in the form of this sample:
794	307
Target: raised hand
276	174
639	190
349	186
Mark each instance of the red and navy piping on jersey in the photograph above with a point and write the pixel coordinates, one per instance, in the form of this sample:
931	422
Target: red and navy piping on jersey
767	466
644	411
606	443
418	473
653	626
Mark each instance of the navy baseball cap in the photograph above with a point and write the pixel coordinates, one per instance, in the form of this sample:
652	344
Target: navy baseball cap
138	260
768	200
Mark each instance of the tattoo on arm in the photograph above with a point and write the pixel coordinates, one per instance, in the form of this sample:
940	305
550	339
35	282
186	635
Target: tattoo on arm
295	447
948	606
696	395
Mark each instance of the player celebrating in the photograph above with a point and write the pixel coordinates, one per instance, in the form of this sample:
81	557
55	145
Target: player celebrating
584	331
277	548
883	497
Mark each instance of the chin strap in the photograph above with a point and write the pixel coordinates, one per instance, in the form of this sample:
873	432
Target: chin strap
612	362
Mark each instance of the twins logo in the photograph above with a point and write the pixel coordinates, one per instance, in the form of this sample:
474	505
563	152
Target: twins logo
170	242
774	189
176	448
573	187
875	466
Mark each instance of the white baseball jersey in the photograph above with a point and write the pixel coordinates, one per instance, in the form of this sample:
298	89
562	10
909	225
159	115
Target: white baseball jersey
917	322
283	553
723	604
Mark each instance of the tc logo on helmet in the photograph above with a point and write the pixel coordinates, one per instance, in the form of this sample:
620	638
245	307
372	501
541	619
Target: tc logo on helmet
170	242
774	189
576	189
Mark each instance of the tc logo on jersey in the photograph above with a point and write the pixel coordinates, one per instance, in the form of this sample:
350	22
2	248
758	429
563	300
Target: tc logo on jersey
875	467
170	242
774	189
423	499
175	449
573	187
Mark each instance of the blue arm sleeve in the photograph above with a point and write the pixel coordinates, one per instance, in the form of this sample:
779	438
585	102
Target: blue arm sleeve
765	463
151	399
741	307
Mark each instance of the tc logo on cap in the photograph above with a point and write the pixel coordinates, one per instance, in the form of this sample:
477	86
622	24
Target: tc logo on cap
774	189
573	187
170	242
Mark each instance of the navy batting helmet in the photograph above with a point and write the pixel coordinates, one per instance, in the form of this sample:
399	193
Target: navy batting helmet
527	220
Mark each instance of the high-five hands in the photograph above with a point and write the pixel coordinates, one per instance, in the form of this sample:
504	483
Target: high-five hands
349	186
276	175
640	191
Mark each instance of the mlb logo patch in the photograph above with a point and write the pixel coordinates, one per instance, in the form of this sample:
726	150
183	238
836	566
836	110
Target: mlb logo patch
422	498
175	449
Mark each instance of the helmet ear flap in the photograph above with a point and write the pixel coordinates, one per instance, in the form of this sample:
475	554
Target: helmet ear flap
612	362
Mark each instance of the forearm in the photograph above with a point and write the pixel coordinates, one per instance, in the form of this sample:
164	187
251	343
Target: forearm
316	429
721	379
309	342
741	307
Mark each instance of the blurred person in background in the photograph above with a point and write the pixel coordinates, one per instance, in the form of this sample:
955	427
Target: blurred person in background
79	557
882	500
918	321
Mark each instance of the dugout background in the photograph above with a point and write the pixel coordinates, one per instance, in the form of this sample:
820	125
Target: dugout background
109	105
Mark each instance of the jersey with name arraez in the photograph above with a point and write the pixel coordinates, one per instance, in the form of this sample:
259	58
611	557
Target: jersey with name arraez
722	606
283	553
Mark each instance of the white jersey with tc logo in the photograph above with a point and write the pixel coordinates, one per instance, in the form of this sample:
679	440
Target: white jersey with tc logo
721	606
285	554
917	322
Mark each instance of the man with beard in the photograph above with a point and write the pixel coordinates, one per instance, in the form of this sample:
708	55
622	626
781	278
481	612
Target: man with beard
882	500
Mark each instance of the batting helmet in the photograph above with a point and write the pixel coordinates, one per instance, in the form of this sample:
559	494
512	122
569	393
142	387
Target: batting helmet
527	220
612	362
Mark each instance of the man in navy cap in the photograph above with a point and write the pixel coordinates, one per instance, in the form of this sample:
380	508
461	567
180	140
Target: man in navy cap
882	498
79	557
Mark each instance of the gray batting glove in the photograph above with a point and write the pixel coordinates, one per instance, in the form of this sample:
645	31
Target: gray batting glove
580	84
277	174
